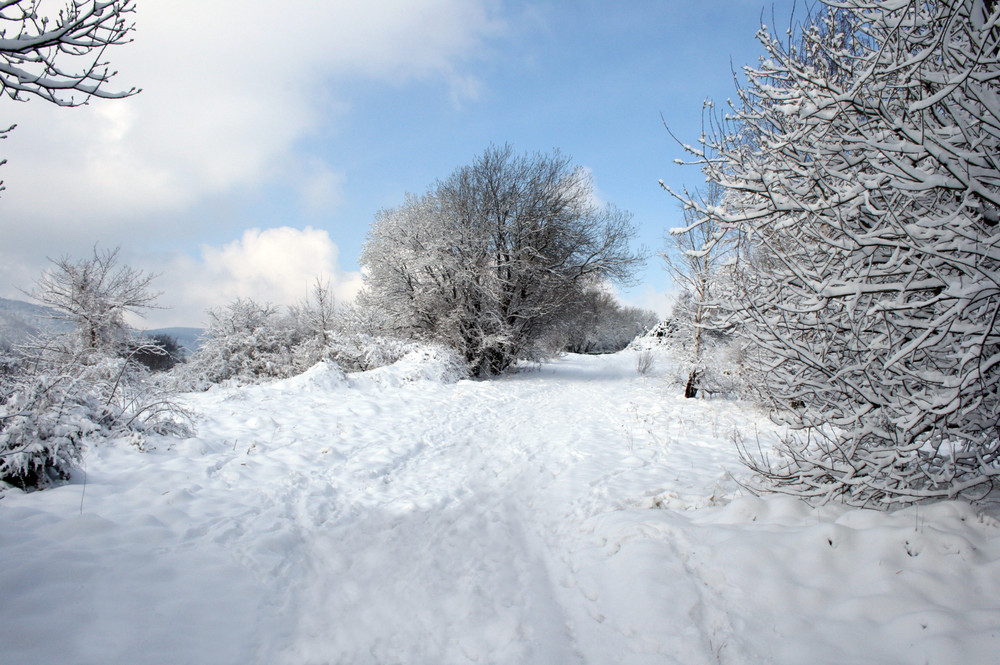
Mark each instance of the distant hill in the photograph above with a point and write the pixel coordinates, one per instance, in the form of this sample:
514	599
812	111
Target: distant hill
21	320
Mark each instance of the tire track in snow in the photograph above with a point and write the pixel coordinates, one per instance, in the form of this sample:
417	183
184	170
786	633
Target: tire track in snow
447	576
463	523
581	503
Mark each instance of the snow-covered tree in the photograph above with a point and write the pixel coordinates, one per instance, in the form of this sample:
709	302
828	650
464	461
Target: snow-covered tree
57	56
602	325
95	294
700	262
494	256
863	167
314	321
317	315
244	340
62	390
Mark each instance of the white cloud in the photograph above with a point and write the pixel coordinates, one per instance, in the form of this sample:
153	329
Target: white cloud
273	265
597	197
230	91
277	265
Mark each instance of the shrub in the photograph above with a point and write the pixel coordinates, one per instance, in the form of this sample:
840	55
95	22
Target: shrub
157	353
245	341
63	390
56	403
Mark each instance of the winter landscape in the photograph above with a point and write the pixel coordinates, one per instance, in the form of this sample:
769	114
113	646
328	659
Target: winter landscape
576	512
482	446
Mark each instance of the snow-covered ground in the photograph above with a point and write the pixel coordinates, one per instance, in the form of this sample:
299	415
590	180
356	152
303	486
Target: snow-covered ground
576	513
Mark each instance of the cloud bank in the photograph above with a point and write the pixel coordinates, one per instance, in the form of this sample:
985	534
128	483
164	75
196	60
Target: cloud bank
274	265
232	90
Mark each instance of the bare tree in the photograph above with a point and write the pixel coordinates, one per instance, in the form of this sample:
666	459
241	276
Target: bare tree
96	294
701	253
59	57
492	257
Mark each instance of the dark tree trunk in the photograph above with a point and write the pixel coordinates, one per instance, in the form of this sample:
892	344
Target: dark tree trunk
691	389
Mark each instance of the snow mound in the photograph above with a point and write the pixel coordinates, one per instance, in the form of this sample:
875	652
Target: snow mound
433	363
802	575
657	337
323	376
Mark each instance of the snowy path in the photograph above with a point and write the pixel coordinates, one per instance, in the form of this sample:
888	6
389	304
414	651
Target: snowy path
448	527
563	515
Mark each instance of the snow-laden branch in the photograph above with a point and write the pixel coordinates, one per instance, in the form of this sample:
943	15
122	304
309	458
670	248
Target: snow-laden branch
862	175
59	57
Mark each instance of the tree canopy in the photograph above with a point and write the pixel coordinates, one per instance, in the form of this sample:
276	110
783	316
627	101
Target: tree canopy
494	256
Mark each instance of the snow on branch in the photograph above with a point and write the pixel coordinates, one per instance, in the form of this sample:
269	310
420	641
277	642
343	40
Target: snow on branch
59	57
862	178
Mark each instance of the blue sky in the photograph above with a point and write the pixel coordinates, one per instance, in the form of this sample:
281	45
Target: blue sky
264	141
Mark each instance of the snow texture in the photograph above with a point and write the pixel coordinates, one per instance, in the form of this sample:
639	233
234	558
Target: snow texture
573	513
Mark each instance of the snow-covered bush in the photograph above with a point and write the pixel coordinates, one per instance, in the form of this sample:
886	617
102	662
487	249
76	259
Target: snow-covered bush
863	162
719	369
60	391
43	423
244	341
251	342
657	336
347	335
704	347
358	352
58	400
645	360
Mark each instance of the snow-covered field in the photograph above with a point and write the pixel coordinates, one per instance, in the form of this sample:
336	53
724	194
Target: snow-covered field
576	513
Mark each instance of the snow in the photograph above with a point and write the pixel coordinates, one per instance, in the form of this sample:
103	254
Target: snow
574	512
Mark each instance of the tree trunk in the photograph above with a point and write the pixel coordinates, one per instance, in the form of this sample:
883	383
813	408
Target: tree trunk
691	389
